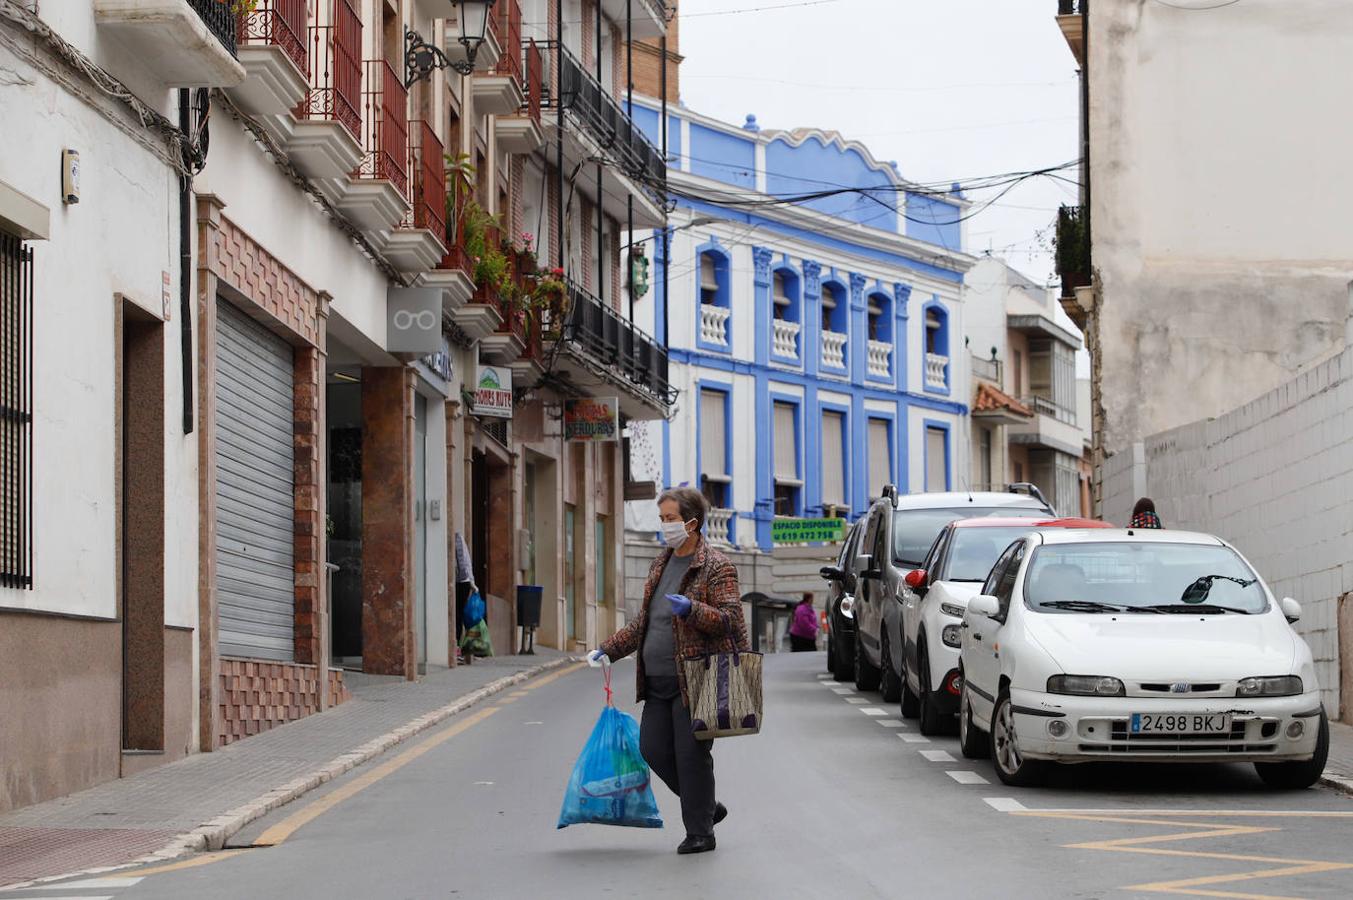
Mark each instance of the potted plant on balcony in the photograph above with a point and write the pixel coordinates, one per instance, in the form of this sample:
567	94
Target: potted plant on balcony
526	253
548	296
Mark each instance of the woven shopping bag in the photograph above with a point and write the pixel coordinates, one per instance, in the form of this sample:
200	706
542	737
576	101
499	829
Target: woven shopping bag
725	694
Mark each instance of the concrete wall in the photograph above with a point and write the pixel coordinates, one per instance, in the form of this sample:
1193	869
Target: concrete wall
1274	477
1219	205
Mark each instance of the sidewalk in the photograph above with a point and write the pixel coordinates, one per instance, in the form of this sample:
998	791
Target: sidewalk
199	802
1339	769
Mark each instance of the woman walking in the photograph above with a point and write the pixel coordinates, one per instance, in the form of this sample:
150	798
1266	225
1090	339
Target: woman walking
803	630
692	606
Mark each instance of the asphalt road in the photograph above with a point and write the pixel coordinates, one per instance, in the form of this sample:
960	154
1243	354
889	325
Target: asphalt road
835	798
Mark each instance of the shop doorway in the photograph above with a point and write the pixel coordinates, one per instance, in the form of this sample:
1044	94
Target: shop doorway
420	531
344	399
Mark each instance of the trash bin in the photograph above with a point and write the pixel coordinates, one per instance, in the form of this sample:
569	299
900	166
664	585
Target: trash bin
529	598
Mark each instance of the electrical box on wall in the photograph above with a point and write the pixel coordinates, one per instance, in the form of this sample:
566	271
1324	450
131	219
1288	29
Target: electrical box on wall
70	176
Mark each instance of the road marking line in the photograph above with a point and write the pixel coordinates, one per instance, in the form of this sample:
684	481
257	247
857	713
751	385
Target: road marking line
914	738
843	690
823	675
938	755
70	896
830	683
89	884
191	862
1004	804
873	711
891	723
1220	813
288	826
966	777
546	679
857	701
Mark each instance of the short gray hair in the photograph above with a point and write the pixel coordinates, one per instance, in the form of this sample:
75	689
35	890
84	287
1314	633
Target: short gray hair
690	503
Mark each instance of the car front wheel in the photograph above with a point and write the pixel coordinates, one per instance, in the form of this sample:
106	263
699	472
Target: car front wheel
1011	765
866	675
932	720
973	743
890	686
1293	776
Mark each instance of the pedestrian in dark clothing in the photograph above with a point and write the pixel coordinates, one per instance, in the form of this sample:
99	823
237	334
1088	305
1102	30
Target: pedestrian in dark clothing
1144	515
692	607
803	629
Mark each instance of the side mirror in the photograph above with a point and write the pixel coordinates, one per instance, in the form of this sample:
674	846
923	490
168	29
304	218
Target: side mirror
917	580
832	573
864	566
984	605
1291	609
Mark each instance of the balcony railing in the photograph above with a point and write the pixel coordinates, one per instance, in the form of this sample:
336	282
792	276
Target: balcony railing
608	124
220	20
936	371
599	331
785	339
385	109
279	23
1073	249
719	526
1045	406
428	196
834	350
880	359
714	324
506	21
336	70
987	369
1070	7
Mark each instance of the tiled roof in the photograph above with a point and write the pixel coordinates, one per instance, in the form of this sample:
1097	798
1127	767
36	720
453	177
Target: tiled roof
991	398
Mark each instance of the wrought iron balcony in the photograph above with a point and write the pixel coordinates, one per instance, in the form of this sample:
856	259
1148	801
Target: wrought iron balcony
280	23
1073	249
1070	7
607	123
220	20
612	344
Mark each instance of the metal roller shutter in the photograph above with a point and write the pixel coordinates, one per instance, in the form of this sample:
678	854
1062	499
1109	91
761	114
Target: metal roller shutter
255	571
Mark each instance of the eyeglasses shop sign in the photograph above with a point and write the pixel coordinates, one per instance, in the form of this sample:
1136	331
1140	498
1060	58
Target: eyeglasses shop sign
493	392
592	419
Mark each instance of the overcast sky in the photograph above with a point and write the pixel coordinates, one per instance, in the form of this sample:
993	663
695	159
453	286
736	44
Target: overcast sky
951	90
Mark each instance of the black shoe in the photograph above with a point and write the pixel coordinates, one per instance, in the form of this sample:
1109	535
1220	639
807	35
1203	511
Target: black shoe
695	843
720	813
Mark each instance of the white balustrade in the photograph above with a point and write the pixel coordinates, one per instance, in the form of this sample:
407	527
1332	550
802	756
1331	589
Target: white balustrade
833	349
718	529
785	339
880	358
935	371
714	324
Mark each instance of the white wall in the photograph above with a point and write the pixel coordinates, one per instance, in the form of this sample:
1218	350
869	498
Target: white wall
1274	477
1221	190
120	238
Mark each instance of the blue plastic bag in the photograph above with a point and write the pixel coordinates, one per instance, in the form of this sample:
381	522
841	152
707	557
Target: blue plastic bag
611	782
474	610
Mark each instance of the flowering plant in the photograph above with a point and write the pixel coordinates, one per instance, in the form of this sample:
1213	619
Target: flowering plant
527	240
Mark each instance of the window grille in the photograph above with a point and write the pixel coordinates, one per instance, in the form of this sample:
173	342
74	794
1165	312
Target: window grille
16	418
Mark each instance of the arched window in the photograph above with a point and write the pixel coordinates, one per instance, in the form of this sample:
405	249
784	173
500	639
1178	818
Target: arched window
784	296
835	308
936	331
879	309
715	293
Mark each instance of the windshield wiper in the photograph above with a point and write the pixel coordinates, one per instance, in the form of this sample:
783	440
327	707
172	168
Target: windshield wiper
1196	607
1092	606
1198	591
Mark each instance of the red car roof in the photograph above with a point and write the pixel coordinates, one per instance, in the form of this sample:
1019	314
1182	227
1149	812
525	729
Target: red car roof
1032	523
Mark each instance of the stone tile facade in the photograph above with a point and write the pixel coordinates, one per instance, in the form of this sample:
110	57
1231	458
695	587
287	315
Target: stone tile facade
256	695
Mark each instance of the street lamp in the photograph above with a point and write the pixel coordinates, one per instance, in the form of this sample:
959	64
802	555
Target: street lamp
421	58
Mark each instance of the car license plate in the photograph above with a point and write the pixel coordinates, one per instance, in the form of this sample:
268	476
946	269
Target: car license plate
1181	723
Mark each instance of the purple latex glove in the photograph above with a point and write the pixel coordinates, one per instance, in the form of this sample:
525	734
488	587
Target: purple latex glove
681	605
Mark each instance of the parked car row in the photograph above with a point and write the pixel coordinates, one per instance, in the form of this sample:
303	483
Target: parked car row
1043	640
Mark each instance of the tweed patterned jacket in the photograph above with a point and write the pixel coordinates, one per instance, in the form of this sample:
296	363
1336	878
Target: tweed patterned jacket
715	623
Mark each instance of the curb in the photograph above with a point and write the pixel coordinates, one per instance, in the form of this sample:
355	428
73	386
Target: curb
212	835
1338	782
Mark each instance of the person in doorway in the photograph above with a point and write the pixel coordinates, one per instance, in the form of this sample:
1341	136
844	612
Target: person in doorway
464	587
1144	515
692	606
803	629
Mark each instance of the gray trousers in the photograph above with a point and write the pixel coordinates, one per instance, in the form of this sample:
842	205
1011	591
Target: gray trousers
684	764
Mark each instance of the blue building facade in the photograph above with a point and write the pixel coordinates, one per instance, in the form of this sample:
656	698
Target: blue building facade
811	340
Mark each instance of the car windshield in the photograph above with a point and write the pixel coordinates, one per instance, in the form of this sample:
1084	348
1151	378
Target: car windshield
914	530
1158	577
973	551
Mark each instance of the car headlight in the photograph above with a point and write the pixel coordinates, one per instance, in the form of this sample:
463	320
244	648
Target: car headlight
1272	686
950	609
952	635
1086	685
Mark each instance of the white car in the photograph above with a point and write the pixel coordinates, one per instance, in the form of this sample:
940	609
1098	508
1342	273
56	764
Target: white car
1136	646
934	597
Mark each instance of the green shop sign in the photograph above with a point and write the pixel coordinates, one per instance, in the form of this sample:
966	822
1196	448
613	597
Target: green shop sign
806	531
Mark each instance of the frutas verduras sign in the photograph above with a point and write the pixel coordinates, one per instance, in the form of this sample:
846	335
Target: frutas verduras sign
592	419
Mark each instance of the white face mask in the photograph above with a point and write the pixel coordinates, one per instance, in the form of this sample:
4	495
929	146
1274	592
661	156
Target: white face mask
674	533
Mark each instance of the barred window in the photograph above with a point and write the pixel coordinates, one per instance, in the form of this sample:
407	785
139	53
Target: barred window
16	419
